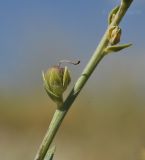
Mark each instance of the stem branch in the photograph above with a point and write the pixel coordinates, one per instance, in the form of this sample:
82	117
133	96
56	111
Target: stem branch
95	59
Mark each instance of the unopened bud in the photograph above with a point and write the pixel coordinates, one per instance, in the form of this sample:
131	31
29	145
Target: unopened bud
56	81
114	35
112	14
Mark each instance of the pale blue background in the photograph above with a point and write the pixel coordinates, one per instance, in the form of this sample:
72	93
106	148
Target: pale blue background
36	34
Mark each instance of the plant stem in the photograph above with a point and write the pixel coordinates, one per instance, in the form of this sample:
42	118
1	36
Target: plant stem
94	61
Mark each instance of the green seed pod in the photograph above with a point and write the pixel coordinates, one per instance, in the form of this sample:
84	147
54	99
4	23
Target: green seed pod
56	81
114	35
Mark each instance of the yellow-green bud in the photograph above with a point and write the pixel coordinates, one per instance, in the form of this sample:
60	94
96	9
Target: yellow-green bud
114	35
56	81
112	14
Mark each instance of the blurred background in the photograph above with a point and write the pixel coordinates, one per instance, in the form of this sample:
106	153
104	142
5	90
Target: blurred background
107	121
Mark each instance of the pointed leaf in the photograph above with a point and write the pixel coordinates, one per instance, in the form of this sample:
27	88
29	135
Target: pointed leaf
116	48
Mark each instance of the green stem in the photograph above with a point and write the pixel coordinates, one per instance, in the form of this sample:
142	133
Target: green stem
94	61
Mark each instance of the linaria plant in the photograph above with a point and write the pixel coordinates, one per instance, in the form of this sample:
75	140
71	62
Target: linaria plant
57	78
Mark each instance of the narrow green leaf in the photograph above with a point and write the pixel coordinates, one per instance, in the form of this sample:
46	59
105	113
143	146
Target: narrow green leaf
112	14
50	153
116	48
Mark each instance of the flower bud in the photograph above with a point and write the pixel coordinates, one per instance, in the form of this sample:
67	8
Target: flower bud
112	14
114	35
56	80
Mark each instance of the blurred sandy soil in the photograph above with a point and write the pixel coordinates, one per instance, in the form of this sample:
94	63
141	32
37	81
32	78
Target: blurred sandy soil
106	122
